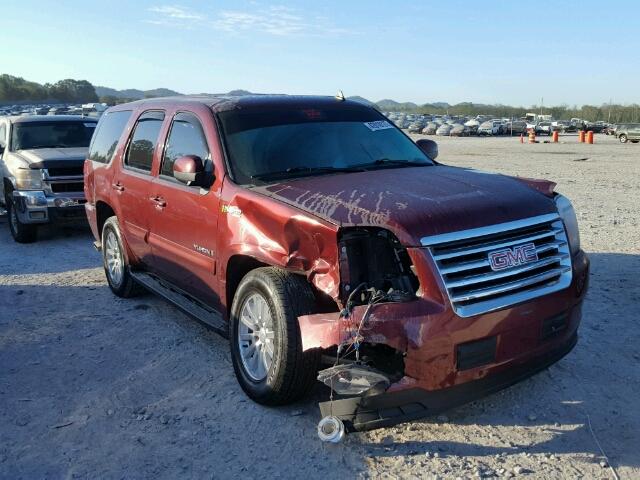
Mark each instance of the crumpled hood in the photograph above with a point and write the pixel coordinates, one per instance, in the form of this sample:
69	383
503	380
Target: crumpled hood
413	202
47	155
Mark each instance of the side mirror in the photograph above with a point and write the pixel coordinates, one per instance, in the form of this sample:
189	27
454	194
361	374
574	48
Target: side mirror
189	170
1	149
429	147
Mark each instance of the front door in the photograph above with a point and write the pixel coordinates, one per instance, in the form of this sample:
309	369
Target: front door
184	218
131	183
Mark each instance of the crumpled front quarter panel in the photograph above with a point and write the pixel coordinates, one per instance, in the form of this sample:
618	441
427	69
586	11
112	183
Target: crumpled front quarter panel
277	234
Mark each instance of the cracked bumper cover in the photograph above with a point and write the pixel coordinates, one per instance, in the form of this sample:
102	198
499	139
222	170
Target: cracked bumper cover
387	409
521	339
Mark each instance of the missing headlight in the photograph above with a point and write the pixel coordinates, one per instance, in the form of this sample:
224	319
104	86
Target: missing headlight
374	257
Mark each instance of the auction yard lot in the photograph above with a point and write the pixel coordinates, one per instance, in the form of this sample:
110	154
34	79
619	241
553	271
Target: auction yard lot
93	386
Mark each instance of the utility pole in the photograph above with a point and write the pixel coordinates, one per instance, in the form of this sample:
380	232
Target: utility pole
609	119
541	104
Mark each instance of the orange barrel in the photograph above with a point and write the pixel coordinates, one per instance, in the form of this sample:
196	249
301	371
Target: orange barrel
581	136
556	136
532	136
590	137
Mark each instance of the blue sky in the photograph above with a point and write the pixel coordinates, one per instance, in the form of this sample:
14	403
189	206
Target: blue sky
490	52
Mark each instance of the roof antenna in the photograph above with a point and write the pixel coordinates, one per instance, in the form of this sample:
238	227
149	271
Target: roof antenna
340	96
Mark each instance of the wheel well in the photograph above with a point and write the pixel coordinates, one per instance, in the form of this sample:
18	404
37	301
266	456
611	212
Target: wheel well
237	267
103	212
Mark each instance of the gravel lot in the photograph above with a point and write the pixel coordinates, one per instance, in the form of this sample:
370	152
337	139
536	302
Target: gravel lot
92	386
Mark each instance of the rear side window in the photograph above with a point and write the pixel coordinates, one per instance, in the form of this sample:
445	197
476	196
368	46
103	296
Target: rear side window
3	135
144	141
105	140
186	138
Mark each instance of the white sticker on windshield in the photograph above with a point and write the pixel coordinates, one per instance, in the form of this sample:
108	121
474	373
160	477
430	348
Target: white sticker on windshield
90	125
378	125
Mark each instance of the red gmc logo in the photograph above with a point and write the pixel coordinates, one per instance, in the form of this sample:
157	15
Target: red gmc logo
512	257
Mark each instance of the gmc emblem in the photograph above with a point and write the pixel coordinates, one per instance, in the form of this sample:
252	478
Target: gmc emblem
512	257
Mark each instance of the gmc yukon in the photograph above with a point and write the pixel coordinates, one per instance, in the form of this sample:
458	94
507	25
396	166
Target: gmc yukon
315	233
41	162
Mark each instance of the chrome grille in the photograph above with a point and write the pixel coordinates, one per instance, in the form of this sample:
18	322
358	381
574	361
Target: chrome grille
474	287
63	180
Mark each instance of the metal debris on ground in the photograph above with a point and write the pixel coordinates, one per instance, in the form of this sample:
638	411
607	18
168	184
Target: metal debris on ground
331	429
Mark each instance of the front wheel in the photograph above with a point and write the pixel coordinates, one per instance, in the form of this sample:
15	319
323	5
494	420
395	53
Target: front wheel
266	346
21	232
623	138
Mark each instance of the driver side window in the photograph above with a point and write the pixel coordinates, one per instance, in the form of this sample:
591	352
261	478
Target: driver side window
186	137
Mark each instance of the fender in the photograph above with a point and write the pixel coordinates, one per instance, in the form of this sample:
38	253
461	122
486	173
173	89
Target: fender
279	235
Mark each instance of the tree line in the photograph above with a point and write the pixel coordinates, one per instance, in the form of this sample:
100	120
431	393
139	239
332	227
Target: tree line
612	113
17	89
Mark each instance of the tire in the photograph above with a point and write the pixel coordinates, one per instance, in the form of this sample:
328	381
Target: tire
291	373
115	262
623	138
21	232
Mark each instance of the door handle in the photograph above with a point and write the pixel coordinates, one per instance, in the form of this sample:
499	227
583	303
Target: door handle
118	186
159	201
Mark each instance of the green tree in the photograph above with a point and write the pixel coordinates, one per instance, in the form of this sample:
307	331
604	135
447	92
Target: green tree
72	91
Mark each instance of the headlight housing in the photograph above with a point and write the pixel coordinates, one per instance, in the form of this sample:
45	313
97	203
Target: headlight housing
568	216
28	179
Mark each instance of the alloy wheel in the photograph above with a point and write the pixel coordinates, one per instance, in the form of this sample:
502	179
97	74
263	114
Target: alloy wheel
256	337
113	257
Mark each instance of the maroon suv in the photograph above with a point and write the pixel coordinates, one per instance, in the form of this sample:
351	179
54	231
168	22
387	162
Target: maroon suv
312	231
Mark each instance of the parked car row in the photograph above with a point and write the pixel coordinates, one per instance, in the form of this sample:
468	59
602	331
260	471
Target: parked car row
432	286
486	126
87	109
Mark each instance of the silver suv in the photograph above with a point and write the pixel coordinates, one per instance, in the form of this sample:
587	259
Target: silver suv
628	132
41	170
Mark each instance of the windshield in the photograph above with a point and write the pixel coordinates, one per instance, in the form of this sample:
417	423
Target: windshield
280	143
33	135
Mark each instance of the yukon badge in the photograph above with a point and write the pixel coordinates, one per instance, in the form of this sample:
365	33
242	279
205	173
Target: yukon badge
512	257
202	250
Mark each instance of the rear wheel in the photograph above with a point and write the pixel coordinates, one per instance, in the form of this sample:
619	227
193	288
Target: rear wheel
623	138
21	232
266	347
116	265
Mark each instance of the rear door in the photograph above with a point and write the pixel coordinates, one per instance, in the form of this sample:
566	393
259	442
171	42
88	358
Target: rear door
184	218
132	182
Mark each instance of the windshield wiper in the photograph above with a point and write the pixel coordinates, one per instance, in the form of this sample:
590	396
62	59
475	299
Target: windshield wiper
297	171
387	162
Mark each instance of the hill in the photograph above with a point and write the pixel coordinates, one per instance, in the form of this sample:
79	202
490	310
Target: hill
134	93
392	105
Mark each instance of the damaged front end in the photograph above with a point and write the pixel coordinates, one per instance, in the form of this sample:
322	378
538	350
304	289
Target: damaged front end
396	350
375	270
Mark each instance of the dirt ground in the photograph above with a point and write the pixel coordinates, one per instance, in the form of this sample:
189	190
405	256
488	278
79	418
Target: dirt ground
92	386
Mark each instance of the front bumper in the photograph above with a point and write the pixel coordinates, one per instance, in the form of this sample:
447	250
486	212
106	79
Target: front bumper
34	207
450	360
388	409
